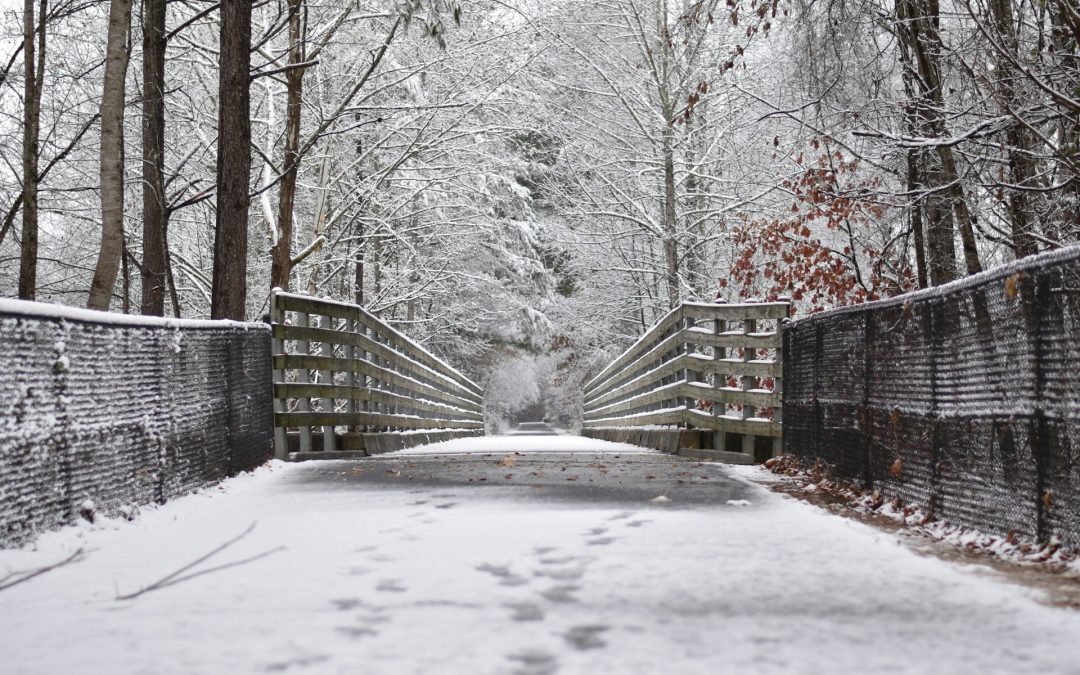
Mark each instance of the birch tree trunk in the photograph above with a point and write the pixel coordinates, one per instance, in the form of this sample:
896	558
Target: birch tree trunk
228	294
112	156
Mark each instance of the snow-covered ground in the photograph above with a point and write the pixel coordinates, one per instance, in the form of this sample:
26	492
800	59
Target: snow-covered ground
462	579
523	443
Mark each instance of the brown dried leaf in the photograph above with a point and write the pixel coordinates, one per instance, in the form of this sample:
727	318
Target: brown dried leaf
896	469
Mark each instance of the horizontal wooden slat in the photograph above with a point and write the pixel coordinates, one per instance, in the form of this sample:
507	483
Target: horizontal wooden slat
738	367
651	345
288	361
696	391
694	362
731	395
394	357
734	340
629	380
652	396
739	311
753	426
644	362
643	344
298	303
657	417
318	419
336	391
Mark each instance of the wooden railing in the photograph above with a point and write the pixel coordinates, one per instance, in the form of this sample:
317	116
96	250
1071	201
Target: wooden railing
342	371
714	367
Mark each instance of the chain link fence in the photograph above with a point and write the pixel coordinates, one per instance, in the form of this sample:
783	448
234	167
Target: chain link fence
963	399
122	414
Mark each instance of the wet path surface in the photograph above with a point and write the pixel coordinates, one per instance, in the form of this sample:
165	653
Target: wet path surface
515	560
558	477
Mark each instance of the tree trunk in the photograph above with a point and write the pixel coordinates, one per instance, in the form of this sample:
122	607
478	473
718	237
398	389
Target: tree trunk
228	294
153	151
112	157
916	31
671	242
926	47
281	254
33	71
916	219
1065	40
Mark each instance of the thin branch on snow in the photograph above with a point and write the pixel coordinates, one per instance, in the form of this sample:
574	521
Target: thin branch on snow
184	573
16	578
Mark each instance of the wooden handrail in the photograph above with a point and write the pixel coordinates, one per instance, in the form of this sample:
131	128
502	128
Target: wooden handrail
680	373
336	366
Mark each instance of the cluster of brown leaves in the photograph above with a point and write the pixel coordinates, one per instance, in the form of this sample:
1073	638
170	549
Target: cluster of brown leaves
857	501
789	257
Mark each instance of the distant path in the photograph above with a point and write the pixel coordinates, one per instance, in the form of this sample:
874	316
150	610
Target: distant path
534	554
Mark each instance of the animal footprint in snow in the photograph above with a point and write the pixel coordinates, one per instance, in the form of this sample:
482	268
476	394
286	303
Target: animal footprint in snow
586	637
534	662
390	586
561	593
503	574
526	612
569	574
357	632
600	541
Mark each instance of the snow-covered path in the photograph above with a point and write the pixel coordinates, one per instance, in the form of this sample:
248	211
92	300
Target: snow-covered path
392	567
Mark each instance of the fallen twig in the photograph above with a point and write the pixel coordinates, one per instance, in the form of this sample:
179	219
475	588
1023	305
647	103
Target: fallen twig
16	578
180	576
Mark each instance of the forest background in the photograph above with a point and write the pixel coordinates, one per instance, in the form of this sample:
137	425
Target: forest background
527	185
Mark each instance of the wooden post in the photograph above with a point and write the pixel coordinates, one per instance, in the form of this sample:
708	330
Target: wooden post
303	376
719	408
684	326
778	384
365	380
277	317
326	377
746	382
352	327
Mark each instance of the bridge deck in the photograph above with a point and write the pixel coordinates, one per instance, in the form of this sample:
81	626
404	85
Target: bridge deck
551	560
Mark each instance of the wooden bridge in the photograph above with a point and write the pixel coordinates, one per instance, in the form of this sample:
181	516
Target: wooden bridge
536	552
705	378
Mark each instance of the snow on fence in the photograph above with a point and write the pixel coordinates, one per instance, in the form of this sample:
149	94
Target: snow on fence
363	385
713	367
963	399
103	412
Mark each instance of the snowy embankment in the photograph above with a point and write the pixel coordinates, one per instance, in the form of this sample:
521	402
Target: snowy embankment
404	578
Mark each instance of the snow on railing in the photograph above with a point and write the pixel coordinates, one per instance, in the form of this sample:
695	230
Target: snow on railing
339	369
715	367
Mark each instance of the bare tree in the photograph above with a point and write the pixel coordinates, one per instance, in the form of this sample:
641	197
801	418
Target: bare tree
281	254
34	49
155	214
112	156
229	291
